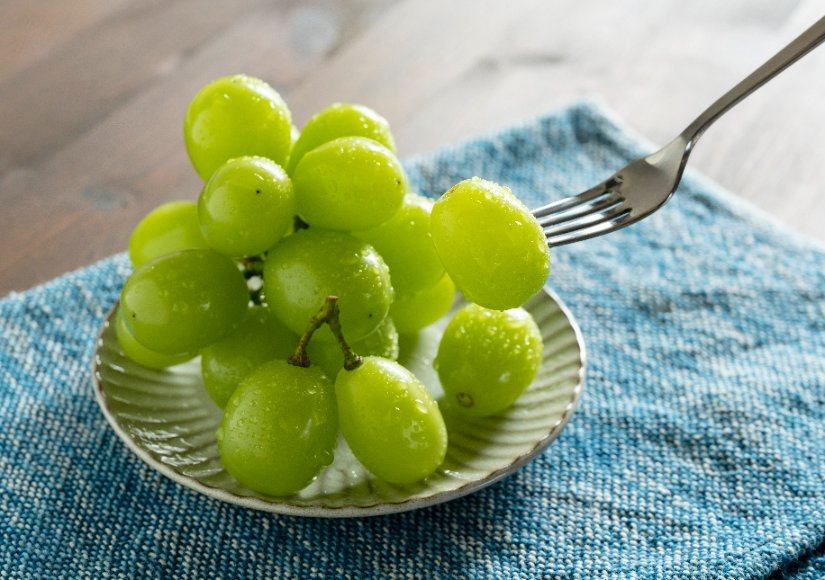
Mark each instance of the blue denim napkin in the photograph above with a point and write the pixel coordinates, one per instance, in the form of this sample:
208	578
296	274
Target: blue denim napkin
698	450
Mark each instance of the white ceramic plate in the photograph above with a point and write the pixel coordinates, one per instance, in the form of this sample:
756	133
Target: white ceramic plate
168	420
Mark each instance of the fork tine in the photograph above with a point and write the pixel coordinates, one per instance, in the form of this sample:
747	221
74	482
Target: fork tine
570	202
587	220
591	226
604	202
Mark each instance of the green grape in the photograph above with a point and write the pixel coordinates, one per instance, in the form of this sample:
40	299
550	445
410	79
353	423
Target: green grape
279	428
340	120
405	243
139	353
487	358
490	244
311	264
326	352
260	338
412	312
349	183
168	228
235	116
246	206
390	421
184	301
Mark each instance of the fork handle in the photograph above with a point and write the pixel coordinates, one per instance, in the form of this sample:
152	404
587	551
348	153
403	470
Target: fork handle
797	48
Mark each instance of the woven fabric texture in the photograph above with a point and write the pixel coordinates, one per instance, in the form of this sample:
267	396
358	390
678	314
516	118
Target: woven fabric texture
698	450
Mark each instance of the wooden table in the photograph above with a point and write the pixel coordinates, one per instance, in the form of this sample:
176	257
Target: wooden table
92	94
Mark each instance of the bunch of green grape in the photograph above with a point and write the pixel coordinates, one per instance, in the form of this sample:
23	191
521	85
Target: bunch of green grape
293	274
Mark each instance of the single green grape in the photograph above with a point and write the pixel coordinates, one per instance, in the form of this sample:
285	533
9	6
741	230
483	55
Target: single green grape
349	183
405	243
168	228
184	301
412	312
340	120
139	353
487	358
327	354
279	428
246	206
235	116
260	338
490	244
311	264
390	421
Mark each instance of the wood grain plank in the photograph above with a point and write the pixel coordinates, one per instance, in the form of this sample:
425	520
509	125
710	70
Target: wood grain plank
406	57
44	106
656	77
35	29
80	202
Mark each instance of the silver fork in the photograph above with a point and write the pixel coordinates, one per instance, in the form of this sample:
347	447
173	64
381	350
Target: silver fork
644	185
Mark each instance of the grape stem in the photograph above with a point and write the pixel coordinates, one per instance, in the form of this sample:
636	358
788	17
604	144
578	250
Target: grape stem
253	271
328	314
253	266
351	360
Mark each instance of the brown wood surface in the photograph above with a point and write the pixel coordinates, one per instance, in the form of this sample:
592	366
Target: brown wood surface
92	94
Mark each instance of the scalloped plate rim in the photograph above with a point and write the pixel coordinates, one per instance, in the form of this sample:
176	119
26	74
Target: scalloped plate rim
353	511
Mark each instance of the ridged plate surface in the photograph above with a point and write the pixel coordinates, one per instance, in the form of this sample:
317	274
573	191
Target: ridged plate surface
168	420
